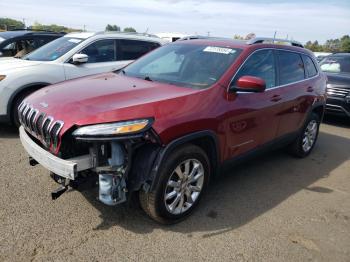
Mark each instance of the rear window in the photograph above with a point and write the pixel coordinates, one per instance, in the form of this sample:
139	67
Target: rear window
309	66
133	49
291	67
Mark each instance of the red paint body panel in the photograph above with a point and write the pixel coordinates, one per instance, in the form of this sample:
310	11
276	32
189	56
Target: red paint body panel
241	121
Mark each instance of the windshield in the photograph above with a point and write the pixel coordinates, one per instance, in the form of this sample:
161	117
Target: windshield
190	65
336	64
2	39
54	49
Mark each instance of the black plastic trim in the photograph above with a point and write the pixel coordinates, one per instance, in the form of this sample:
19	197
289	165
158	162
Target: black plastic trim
165	151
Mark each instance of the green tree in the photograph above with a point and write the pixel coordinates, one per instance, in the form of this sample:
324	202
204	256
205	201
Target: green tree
129	29
53	27
331	45
238	37
10	24
112	28
345	43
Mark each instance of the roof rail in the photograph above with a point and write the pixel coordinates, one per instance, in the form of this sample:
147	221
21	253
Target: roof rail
196	37
261	40
126	33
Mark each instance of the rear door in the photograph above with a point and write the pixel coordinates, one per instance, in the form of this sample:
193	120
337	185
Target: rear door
295	89
254	117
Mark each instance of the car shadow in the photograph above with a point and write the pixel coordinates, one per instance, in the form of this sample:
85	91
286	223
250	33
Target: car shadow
336	121
8	131
242	193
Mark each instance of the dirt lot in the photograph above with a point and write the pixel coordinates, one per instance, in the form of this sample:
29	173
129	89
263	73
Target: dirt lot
276	208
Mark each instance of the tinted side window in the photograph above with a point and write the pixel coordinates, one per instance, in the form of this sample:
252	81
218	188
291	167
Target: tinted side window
101	51
291	67
43	40
309	66
260	64
133	49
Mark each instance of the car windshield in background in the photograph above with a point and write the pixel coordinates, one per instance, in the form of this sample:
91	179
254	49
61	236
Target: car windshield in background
190	65
54	49
336	64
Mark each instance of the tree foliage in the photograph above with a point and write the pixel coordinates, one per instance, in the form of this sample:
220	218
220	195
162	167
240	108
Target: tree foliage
53	27
332	45
112	28
10	24
129	29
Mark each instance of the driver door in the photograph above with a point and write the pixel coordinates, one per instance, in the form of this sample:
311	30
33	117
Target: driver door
102	57
253	118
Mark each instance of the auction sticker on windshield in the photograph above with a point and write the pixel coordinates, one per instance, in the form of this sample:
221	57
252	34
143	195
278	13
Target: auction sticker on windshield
220	50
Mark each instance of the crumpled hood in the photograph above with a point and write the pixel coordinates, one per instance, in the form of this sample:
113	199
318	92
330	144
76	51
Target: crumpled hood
109	98
7	64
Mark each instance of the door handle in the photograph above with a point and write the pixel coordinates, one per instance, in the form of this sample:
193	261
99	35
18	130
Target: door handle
310	89
276	98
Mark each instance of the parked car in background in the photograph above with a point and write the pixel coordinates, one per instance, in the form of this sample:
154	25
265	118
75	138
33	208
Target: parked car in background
337	68
171	37
71	56
164	125
321	55
18	43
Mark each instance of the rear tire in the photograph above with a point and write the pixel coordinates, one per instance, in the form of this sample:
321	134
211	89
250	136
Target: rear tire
183	178
14	111
306	140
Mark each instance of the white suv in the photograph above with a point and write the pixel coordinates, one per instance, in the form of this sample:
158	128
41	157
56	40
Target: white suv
71	56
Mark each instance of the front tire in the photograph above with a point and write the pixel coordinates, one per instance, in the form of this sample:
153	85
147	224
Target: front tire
184	176
306	140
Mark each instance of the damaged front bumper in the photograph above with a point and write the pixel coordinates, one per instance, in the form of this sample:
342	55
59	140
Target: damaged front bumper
119	167
65	168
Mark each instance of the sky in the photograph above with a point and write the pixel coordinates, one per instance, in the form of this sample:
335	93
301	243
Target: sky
301	20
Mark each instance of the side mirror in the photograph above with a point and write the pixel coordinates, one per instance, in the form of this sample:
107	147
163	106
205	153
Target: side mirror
1	53
249	84
80	58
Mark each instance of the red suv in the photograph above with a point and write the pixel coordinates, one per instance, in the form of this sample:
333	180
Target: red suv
167	123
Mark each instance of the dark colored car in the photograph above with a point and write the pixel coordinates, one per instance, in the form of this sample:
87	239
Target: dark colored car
337	68
167	123
21	42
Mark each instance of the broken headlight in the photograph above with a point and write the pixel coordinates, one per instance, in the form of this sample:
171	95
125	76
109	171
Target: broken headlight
114	129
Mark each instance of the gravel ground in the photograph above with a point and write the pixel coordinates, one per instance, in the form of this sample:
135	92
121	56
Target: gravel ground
276	208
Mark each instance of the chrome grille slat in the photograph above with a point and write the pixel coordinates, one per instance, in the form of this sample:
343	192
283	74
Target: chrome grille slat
46	130
29	117
25	114
39	125
339	92
33	119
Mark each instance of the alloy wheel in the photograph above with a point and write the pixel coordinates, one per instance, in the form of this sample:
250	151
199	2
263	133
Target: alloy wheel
309	135
184	186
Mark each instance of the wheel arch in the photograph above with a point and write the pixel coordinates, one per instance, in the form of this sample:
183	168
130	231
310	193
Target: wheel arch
207	140
319	110
23	89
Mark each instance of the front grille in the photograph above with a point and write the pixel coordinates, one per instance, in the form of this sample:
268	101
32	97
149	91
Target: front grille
337	91
43	127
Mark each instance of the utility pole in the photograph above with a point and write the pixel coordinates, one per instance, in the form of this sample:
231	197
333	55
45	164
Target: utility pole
24	23
208	33
84	30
